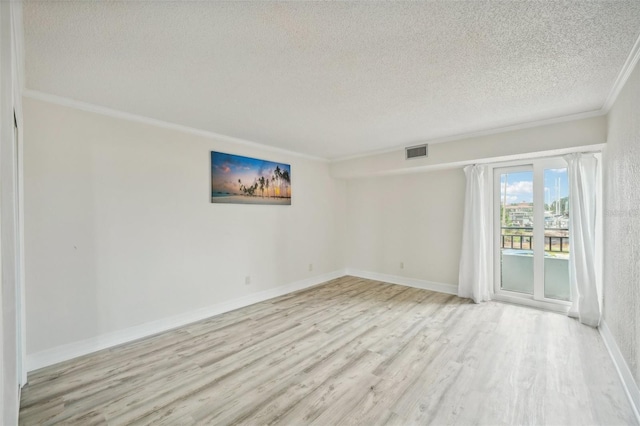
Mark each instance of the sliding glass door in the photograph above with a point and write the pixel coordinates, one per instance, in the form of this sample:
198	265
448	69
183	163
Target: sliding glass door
531	233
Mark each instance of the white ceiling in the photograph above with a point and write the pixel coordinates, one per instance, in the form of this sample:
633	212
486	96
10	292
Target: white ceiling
332	79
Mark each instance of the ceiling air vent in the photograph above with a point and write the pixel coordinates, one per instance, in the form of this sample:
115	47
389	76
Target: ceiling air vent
419	151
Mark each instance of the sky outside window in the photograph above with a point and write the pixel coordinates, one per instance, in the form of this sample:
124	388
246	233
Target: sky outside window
520	186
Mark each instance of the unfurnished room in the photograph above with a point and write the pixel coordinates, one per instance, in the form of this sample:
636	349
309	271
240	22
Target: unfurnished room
320	212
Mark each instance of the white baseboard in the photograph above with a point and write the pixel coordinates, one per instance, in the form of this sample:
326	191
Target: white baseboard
409	282
536	304
69	351
73	350
629	384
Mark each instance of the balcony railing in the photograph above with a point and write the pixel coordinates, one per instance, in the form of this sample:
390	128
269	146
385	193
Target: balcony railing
521	238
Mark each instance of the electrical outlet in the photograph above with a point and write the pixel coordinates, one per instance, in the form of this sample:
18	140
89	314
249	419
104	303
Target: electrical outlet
247	280
310	267
401	265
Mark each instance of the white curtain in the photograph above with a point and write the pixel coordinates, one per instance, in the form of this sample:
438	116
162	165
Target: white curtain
583	172
475	262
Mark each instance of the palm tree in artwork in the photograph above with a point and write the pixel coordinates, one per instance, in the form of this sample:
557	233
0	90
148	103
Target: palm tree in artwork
278	174
261	181
240	184
266	183
287	182
273	184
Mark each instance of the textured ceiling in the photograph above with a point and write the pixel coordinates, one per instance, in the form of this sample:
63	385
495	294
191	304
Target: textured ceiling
332	79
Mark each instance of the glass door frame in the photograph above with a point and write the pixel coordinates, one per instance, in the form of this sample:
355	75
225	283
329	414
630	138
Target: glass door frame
537	299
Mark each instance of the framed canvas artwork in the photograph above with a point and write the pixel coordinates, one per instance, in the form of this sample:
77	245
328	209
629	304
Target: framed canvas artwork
245	180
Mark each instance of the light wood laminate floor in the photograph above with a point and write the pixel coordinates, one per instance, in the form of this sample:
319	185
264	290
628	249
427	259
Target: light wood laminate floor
351	351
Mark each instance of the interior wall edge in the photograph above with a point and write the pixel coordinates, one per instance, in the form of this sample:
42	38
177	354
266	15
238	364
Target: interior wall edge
624	372
73	350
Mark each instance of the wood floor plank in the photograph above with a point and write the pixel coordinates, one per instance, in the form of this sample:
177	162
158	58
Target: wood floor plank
269	375
309	379
350	352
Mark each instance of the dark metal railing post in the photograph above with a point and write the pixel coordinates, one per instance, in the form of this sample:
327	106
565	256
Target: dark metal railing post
524	239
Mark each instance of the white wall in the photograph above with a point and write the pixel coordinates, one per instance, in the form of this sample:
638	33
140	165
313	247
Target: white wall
119	230
411	210
415	219
622	224
504	146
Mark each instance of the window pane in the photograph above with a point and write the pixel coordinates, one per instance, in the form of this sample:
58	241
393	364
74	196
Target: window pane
556	234
516	219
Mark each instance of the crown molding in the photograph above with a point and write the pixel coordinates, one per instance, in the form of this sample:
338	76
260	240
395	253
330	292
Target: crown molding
84	106
479	133
97	109
623	76
502	160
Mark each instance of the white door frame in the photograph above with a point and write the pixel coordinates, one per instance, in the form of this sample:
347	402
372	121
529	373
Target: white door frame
18	87
12	376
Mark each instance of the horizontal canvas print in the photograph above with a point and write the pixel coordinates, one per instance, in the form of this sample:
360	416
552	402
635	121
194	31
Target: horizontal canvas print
245	180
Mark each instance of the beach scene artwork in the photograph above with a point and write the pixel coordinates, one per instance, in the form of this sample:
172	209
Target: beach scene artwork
244	180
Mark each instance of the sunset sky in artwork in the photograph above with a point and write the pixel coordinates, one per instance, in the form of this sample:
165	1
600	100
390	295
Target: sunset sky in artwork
227	169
